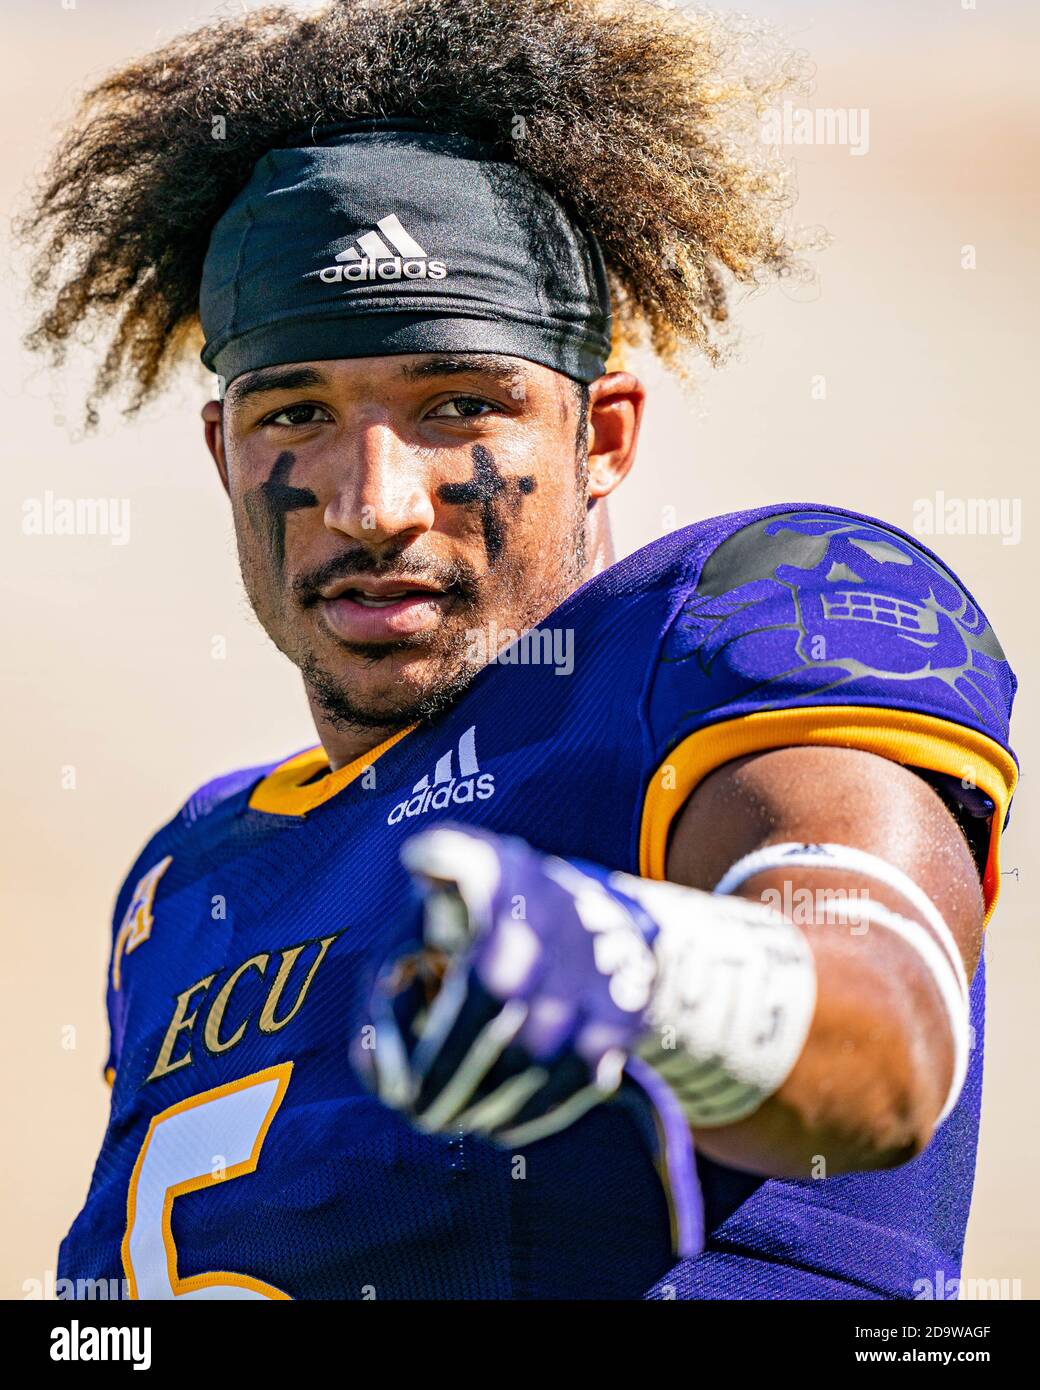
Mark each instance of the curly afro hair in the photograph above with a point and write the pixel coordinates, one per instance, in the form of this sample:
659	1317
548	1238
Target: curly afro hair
642	119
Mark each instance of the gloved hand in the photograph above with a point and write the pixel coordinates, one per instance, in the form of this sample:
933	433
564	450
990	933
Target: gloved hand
519	1008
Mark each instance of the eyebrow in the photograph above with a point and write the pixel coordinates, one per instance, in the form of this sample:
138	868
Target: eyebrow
276	379
502	369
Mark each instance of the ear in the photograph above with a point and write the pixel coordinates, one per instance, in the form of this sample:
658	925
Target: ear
213	424
615	412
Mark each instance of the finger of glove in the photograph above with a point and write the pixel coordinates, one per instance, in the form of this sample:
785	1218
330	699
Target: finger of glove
565	1077
402	995
482	1027
558	1037
467	864
390	1070
500	1094
498	1106
545	1037
504	964
528	1131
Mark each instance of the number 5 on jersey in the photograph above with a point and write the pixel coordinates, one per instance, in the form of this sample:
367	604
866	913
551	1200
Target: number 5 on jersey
177	1157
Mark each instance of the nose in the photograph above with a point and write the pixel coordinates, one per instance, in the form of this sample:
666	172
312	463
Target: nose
380	494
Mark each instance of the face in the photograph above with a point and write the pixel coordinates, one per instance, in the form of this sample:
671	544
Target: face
393	513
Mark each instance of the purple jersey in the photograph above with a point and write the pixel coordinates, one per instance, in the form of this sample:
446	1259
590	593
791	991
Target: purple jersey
244	1159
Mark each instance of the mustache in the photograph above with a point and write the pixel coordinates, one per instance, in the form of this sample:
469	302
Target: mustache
453	576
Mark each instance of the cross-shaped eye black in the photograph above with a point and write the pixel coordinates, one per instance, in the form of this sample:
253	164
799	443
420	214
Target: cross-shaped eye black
280	493
269	504
487	489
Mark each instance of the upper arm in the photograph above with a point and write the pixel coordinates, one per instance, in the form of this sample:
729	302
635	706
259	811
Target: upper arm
836	795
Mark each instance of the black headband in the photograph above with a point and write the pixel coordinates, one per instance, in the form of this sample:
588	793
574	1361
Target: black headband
389	237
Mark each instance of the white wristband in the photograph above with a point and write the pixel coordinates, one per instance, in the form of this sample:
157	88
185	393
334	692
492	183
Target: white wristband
733	1000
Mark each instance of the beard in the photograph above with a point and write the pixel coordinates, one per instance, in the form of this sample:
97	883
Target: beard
344	709
427	673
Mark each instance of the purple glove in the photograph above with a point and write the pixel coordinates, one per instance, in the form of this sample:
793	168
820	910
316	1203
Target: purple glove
519	1012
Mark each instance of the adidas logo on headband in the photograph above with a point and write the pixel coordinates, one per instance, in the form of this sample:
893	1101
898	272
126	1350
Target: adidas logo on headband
402	259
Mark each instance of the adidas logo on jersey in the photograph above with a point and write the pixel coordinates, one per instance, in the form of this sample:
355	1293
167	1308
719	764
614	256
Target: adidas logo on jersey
402	259
446	789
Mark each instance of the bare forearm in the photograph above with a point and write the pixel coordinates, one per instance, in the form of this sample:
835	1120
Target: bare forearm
871	1080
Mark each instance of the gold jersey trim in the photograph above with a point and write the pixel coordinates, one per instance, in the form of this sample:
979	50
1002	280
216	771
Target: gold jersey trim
915	740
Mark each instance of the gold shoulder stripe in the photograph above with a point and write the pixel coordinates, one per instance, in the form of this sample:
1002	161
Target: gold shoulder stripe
917	740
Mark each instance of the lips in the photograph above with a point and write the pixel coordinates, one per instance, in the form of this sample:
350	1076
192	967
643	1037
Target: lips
375	610
370	586
383	601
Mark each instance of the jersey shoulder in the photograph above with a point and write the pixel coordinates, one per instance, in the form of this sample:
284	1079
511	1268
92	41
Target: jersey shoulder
200	822
168	863
802	624
808	605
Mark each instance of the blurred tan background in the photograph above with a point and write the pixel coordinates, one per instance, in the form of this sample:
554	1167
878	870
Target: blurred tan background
900	374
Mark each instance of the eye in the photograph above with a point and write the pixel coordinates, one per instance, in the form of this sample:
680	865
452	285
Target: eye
305	413
461	408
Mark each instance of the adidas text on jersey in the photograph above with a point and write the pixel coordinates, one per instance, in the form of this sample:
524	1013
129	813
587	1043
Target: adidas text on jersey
471	784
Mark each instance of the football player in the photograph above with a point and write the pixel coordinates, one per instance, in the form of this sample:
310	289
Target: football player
620	935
